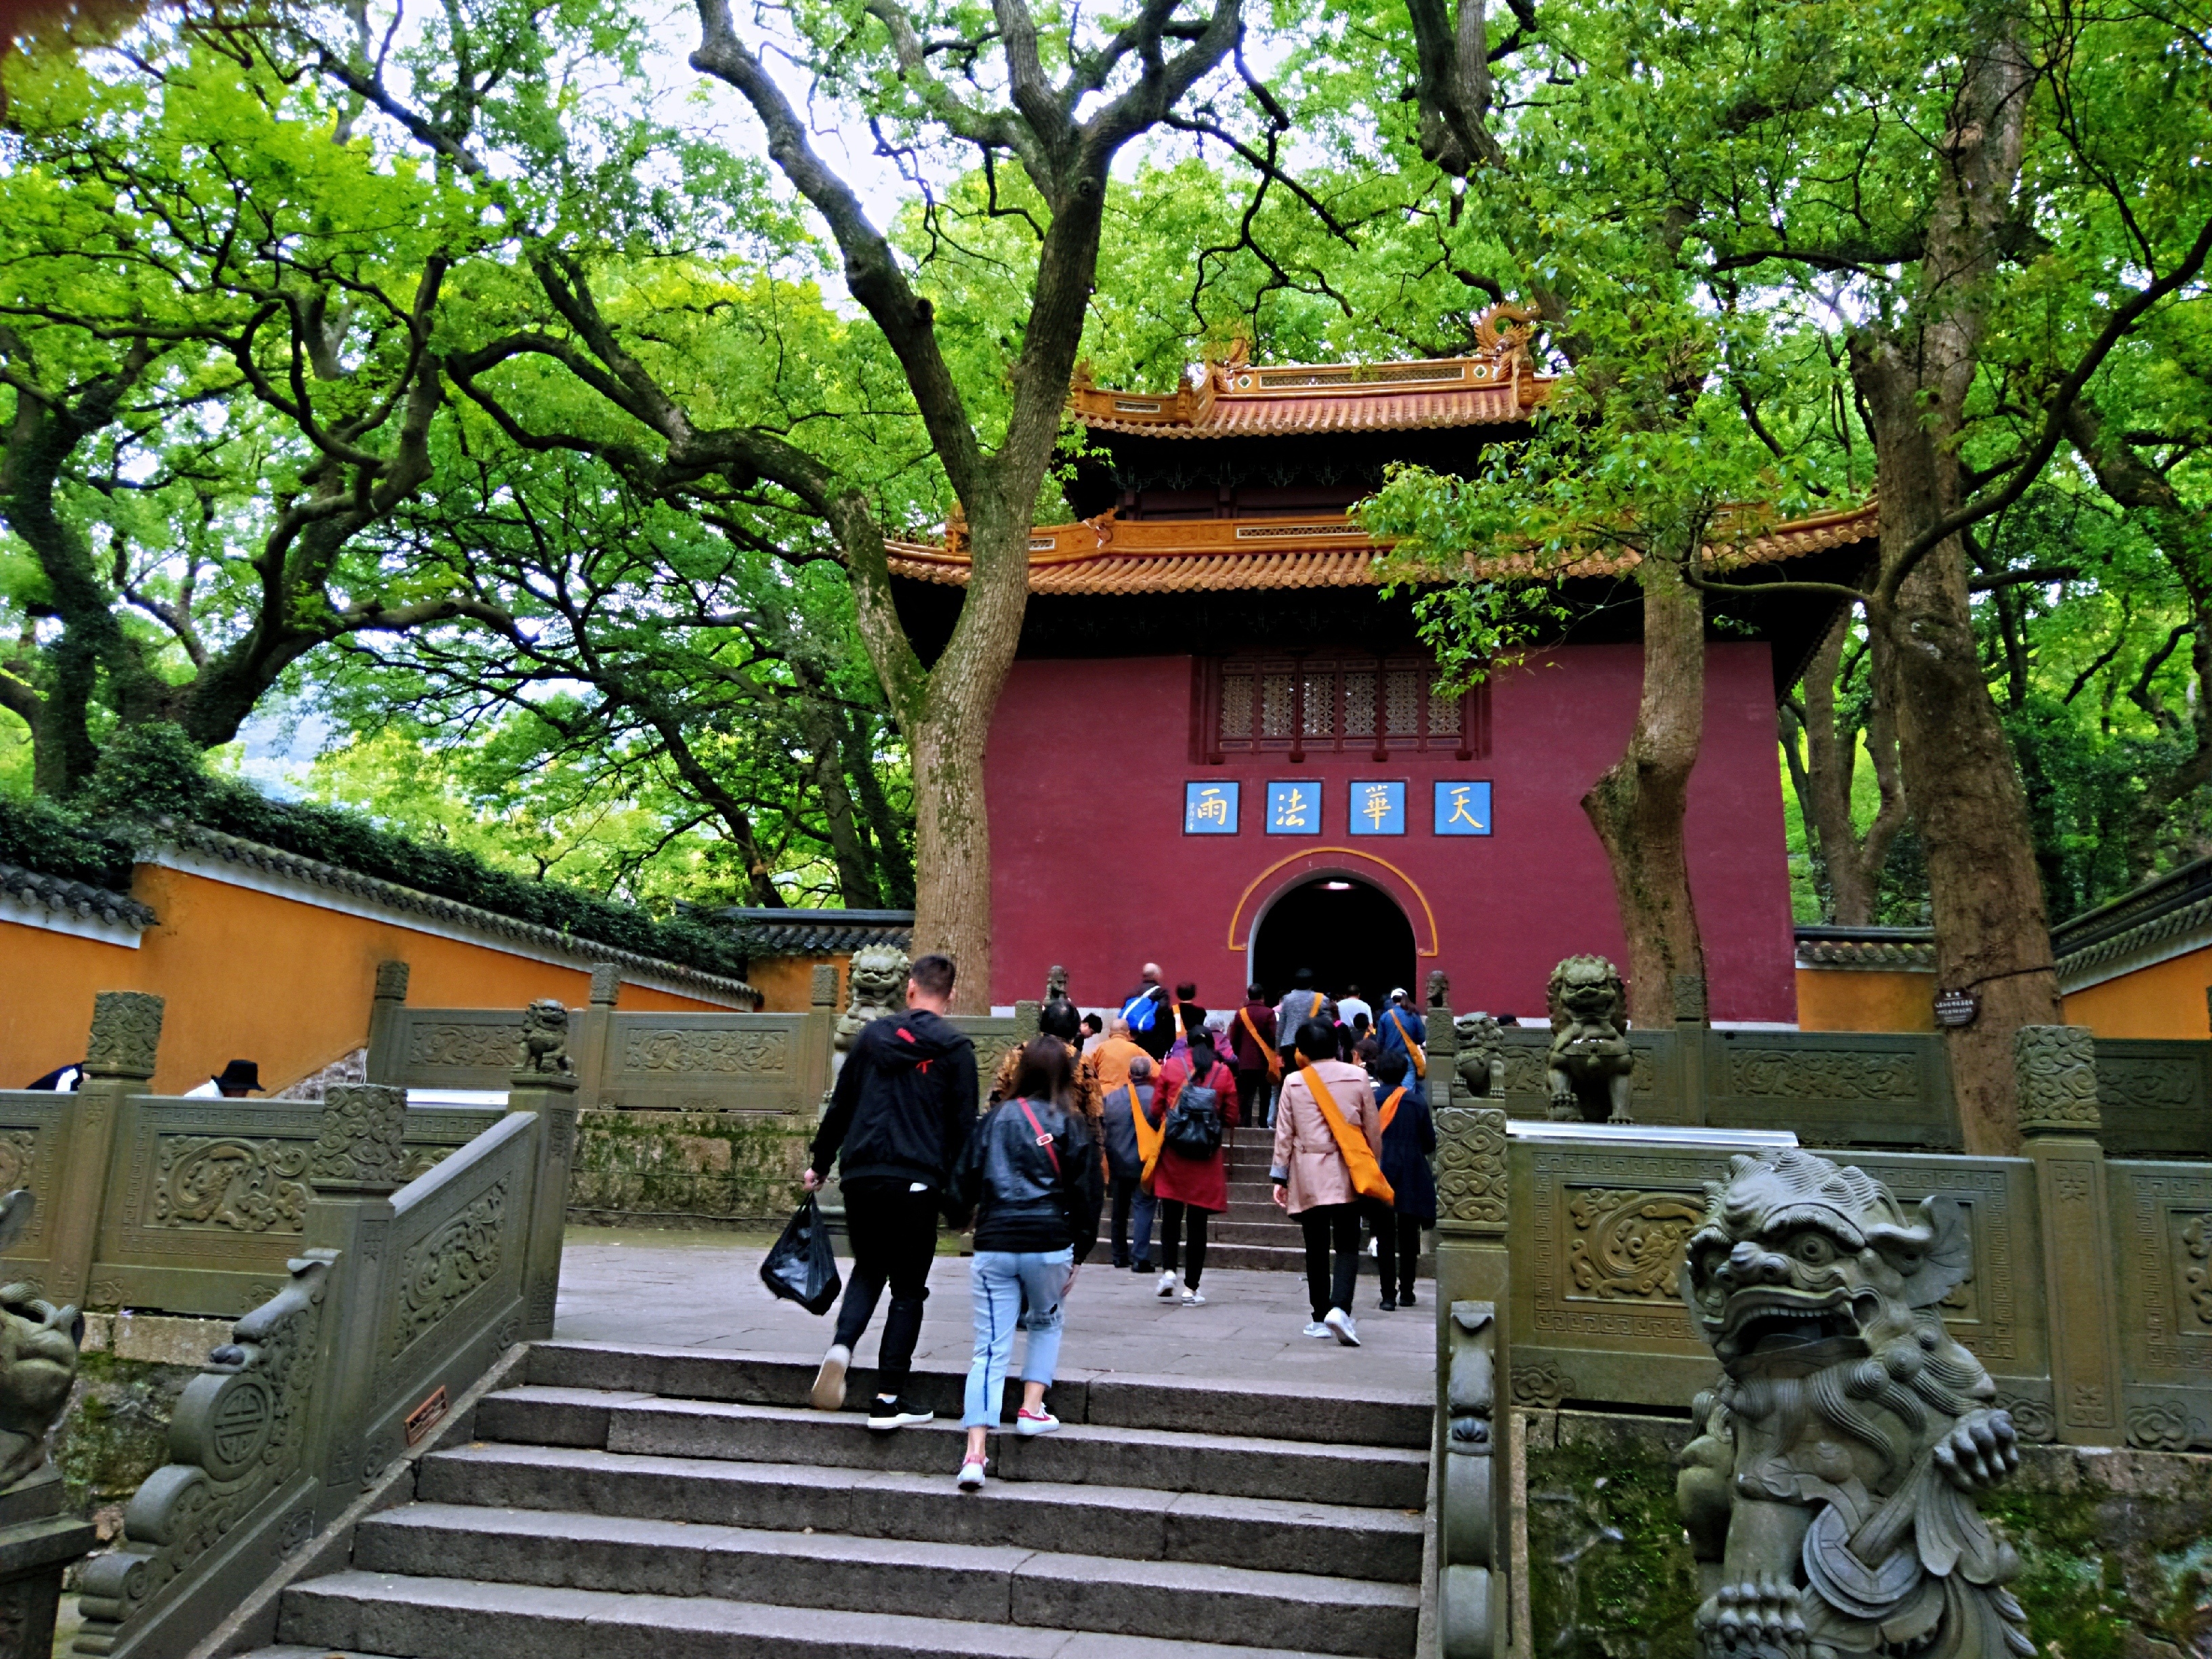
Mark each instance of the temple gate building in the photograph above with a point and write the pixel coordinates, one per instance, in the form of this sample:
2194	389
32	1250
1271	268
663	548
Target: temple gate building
1221	748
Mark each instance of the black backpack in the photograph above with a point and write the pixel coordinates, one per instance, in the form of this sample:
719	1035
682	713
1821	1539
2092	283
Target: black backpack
1194	1125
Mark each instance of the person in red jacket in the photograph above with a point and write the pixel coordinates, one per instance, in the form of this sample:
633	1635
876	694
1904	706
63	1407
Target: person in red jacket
1190	1187
1252	1039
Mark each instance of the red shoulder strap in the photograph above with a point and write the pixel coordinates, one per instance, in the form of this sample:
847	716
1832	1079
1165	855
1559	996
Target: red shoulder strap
1042	1139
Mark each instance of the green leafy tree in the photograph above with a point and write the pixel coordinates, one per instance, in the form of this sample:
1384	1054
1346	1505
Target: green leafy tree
218	366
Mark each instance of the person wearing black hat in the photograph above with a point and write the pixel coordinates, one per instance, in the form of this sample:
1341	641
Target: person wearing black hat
238	1079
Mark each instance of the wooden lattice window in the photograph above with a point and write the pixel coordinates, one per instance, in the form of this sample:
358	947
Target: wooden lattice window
1333	702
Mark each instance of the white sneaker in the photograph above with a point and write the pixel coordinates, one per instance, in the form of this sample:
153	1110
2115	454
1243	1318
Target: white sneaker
971	1477
1316	1329
1342	1326
1027	1423
1192	1299
1168	1284
829	1395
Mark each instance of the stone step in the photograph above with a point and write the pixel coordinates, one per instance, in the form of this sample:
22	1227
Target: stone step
441	1618
994	1584
1230	1466
1327	1412
1278	1229
1262	1534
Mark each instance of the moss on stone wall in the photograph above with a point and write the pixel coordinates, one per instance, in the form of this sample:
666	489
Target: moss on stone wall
2115	1547
1610	1575
116	1431
2116	1551
718	1165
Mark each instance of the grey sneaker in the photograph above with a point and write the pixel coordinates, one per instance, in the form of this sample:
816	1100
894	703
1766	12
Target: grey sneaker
828	1393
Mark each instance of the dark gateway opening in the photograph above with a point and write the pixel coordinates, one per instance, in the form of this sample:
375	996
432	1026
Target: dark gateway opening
1348	931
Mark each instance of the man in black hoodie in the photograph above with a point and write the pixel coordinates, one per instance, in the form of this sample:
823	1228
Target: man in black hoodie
900	1117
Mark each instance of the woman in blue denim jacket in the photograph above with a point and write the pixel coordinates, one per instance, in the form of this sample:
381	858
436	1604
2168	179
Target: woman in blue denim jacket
1029	1173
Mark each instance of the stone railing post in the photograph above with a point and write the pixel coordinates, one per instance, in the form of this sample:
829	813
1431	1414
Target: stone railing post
2056	1069
1691	1030
1443	1052
352	1173
546	1084
387	1026
591	1035
1473	1352
119	1064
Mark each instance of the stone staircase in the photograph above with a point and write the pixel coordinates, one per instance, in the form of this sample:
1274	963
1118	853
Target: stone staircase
656	1504
1252	1233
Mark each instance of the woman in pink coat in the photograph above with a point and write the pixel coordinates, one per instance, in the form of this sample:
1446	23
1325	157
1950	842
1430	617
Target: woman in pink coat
1314	1183
1189	1187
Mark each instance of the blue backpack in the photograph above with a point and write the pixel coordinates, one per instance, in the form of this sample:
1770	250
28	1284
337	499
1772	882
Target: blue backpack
1140	1011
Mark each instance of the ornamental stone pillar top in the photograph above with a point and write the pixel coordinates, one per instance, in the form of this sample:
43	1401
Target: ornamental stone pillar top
607	984
126	1034
360	1150
392	981
2055	1072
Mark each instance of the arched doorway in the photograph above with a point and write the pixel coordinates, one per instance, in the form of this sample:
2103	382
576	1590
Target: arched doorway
1349	932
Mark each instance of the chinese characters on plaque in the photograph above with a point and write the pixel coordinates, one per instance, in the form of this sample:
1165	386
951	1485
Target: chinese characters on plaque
1294	808
1209	809
1463	809
1378	808
1372	806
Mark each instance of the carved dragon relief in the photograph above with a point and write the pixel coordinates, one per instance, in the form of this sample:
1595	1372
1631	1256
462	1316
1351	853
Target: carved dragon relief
1832	1477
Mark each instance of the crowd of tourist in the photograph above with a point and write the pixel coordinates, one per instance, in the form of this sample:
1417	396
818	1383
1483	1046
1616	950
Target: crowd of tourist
1125	1117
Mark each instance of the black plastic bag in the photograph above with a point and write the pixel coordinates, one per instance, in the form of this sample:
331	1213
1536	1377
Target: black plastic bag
802	1268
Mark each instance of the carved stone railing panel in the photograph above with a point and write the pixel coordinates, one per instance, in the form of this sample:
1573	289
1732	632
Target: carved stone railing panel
711	1062
2155	1097
2162	1216
397	1304
457	1246
33	1141
1832	1088
1597	1237
238	1445
459	1047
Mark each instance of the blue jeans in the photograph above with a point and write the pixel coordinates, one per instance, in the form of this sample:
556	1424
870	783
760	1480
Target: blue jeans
998	1282
1141	1211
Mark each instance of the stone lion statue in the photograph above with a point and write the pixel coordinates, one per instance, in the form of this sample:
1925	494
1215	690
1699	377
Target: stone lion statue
877	988
1591	1063
545	1037
38	1357
1481	1054
1832	1476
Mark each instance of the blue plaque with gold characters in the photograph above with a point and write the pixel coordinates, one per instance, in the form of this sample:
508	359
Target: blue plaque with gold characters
1209	809
1377	808
1294	808
1463	809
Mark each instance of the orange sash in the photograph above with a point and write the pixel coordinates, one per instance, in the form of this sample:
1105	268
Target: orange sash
1420	1059
1274	1059
1390	1106
1367	1177
1148	1139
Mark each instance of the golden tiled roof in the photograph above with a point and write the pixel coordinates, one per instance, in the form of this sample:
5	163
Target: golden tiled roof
1235	398
1105	555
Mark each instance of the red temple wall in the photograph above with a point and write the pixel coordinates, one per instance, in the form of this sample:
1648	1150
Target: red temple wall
1090	868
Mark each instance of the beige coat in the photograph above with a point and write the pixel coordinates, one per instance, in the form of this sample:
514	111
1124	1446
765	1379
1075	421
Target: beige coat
1306	1157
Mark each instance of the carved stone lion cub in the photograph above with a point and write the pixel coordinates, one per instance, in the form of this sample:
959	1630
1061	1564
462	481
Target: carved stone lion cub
1832	1477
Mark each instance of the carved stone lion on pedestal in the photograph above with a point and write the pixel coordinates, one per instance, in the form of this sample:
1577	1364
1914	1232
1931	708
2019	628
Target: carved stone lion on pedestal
545	1037
1830	1485
38	1357
1480	1056
1590	1064
877	988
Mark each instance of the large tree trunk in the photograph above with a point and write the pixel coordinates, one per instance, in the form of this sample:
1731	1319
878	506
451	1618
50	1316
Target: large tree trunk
1992	936
951	825
1854	864
1637	807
